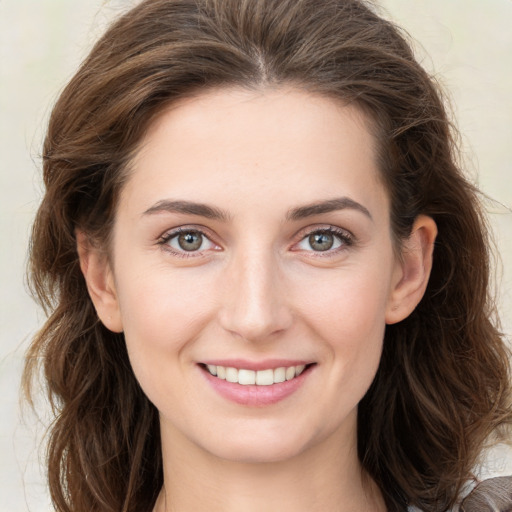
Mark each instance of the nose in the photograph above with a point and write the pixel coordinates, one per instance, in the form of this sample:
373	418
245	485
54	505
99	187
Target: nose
254	306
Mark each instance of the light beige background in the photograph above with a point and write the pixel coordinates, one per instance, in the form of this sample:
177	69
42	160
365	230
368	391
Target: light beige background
467	43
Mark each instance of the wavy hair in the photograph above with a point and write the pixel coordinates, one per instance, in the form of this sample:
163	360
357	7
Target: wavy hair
443	385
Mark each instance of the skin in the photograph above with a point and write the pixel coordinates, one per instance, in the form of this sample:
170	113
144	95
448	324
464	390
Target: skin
257	290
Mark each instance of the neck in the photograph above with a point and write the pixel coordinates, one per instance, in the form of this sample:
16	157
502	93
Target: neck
317	479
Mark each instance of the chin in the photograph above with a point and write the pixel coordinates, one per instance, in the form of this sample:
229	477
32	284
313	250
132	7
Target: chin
260	448
257	454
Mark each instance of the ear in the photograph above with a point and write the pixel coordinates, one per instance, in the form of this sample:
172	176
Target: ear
414	269
100	282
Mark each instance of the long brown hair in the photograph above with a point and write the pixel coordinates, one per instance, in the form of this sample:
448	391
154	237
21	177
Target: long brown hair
443	383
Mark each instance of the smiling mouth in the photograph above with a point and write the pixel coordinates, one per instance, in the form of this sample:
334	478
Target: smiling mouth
246	377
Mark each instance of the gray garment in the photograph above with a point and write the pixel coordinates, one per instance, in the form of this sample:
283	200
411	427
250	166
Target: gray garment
490	495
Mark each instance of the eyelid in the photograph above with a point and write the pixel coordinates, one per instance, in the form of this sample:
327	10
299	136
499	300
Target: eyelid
169	234
347	238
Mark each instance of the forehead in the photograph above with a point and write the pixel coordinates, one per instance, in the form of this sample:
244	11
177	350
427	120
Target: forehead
291	145
258	117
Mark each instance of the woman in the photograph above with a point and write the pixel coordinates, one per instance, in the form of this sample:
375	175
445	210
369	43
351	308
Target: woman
267	278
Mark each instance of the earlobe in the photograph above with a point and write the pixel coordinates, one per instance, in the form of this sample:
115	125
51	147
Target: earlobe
100	282
415	267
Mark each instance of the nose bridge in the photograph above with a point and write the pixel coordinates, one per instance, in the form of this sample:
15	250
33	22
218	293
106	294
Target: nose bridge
254	300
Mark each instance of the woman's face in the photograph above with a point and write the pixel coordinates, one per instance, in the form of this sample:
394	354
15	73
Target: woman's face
253	237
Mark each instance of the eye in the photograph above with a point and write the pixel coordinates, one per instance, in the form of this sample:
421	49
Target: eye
324	240
187	240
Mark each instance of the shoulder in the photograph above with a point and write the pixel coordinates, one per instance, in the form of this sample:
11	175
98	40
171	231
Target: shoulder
456	509
491	489
415	509
486	496
489	495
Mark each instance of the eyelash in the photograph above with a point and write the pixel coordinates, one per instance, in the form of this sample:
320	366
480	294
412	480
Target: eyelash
167	237
345	238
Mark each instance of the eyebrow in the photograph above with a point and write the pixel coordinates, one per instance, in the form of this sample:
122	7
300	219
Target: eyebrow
331	205
188	207
302	212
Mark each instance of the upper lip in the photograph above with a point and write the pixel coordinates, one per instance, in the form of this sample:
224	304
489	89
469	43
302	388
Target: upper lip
267	364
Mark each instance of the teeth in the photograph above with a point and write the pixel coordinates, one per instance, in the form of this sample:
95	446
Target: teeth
231	374
260	377
279	375
221	372
299	369
265	377
246	377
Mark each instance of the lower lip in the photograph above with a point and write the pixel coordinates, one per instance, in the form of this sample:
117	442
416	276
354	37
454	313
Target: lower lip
256	396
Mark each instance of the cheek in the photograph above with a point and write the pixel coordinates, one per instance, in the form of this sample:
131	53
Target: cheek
158	303
351	325
347	314
162	314
348	304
